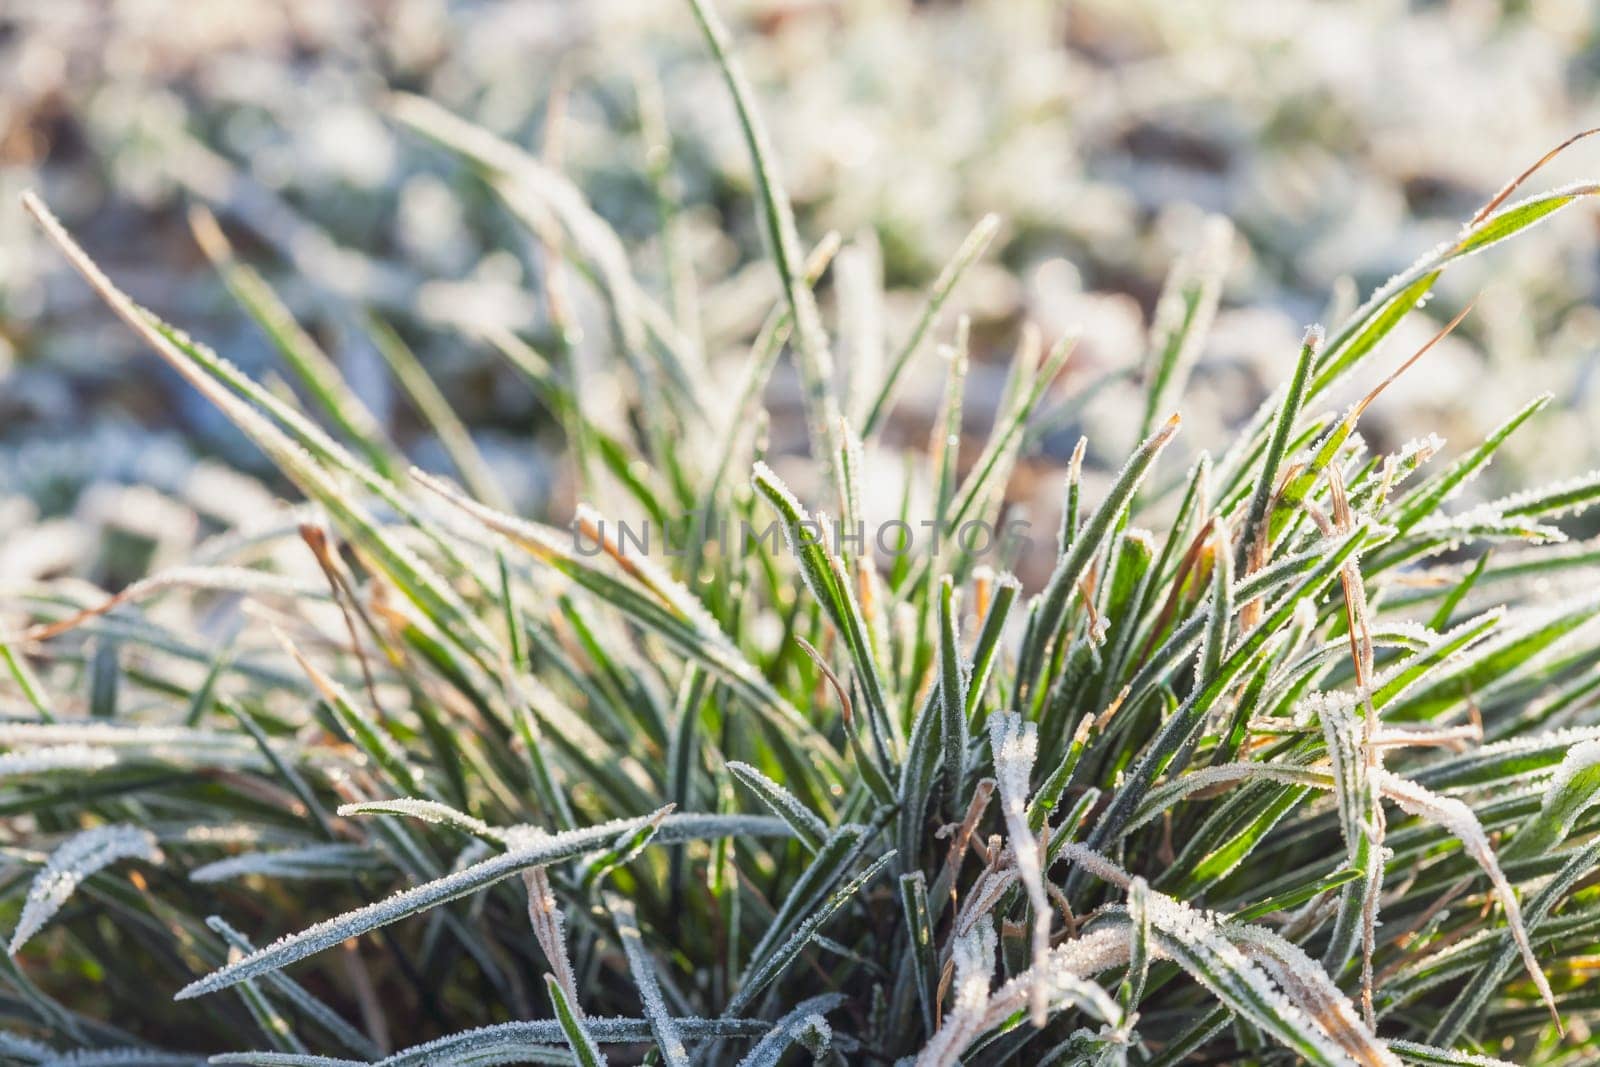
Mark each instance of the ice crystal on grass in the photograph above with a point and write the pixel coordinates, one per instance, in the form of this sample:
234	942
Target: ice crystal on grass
536	853
313	861
76	859
1455	817
662	1024
972	956
428	811
51	758
1569	795
1015	745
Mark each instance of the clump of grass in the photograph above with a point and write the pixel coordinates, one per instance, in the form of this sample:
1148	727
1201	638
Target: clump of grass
1267	782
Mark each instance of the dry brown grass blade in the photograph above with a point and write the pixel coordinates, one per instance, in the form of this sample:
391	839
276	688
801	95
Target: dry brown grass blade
1186	567
982	590
316	540
549	929
1377	390
235	580
962	840
1511	186
846	708
46	631
1358	625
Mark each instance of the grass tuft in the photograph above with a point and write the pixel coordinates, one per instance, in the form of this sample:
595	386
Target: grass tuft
1218	788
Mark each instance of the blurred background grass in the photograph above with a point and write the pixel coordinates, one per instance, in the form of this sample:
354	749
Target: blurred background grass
1341	140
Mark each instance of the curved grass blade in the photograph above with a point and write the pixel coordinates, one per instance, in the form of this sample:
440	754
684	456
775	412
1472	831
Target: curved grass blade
1460	821
1570	793
330	861
429	811
1468	1005
802	1025
807	827
537	851
73	861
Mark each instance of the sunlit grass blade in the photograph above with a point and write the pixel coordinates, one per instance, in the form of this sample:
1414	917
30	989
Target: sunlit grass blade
1254	529
314	367
435	409
1183	318
815	357
971	248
